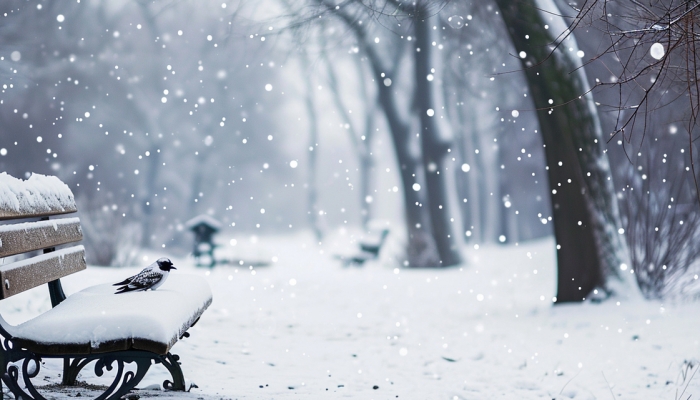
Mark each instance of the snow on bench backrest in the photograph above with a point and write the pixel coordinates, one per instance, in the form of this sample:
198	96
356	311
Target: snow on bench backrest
38	196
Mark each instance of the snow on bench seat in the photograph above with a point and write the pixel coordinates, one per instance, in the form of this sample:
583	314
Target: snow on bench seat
95	320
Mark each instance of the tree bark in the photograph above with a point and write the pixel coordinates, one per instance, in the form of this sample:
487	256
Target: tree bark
312	187
434	145
585	211
361	142
422	250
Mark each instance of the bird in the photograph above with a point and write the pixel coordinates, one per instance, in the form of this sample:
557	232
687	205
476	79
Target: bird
150	278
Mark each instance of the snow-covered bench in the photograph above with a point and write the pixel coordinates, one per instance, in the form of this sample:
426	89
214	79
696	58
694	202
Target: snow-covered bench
369	250
91	325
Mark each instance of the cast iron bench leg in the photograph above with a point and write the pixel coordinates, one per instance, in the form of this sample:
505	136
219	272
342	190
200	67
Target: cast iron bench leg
172	363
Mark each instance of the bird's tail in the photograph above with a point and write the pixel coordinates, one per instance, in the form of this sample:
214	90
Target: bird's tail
124	289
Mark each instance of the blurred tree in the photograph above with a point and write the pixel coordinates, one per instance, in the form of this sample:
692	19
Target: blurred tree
662	218
432	242
312	181
422	248
360	138
435	144
137	114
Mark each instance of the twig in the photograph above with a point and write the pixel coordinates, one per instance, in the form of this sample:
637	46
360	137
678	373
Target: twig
569	381
688	383
607	383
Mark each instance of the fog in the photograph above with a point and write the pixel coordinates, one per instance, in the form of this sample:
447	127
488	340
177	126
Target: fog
280	117
158	112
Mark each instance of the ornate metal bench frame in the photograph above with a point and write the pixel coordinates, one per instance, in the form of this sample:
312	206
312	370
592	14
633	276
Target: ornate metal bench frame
122	383
20	358
13	375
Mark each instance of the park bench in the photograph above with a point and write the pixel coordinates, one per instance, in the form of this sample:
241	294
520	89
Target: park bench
130	331
369	250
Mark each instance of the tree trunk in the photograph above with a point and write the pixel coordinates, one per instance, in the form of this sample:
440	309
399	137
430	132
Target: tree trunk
314	221
366	160
365	171
434	146
361	142
422	250
584	207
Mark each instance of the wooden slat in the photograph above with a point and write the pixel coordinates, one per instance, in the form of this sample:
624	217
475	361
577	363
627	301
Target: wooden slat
30	236
11	214
26	274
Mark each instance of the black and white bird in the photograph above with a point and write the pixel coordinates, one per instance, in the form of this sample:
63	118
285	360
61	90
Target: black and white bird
150	278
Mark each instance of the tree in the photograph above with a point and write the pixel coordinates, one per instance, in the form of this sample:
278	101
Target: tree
361	140
662	218
129	113
422	250
431	238
590	250
435	145
650	87
655	59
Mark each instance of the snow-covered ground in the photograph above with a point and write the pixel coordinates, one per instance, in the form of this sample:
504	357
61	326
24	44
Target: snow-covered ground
306	328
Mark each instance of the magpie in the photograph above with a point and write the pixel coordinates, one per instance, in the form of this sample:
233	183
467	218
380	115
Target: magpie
150	278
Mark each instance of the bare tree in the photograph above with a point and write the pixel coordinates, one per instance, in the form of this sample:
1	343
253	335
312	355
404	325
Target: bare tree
435	144
435	229
361	139
662	219
422	248
651	52
653	47
590	250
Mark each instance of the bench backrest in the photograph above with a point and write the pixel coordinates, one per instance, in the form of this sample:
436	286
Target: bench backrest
38	197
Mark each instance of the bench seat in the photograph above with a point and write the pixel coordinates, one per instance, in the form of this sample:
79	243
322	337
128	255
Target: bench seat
95	320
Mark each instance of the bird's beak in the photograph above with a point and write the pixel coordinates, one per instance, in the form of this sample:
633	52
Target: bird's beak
173	268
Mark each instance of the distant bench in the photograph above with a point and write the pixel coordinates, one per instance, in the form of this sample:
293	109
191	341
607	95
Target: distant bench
91	325
369	250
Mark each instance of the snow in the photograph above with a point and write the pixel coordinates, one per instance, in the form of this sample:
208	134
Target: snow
54	223
657	51
96	315
40	194
305	327
204	218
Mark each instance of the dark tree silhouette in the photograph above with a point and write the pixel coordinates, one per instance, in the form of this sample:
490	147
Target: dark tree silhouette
585	211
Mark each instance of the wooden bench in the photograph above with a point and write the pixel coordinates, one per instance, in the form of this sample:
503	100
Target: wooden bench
369	250
92	325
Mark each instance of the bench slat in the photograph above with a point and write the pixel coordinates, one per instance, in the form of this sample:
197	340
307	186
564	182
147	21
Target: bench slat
26	274
30	236
9	214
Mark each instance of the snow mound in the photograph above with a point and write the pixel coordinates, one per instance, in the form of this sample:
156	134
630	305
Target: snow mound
38	195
